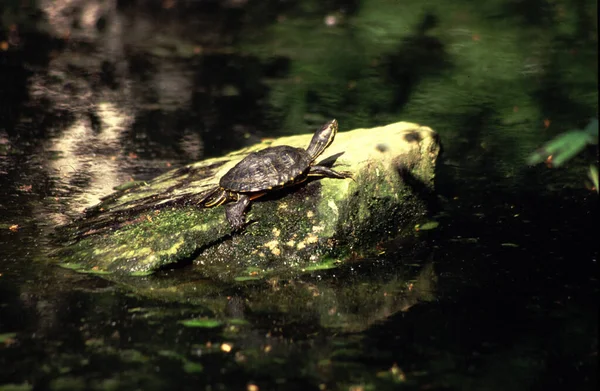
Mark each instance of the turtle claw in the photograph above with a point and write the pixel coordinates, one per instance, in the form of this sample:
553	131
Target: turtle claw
347	174
237	225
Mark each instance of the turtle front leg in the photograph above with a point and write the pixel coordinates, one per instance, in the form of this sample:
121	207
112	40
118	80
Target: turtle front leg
235	211
327	172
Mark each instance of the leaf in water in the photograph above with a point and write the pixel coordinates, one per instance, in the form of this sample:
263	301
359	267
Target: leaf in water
427	226
132	356
324	264
192	367
141	273
170	354
509	245
464	240
201	322
246	278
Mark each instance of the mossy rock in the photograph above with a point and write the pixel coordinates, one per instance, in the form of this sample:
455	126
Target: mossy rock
313	225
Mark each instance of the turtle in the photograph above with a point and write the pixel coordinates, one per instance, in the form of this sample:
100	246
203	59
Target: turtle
270	169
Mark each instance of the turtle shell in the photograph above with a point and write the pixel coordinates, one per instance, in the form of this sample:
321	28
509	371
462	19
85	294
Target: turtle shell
267	169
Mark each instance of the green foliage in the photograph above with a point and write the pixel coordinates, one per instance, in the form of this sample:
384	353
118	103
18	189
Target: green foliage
566	146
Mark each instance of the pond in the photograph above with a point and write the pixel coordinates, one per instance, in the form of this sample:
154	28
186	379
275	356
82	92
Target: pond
500	292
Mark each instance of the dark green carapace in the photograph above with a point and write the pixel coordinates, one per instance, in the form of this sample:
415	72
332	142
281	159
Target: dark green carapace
269	169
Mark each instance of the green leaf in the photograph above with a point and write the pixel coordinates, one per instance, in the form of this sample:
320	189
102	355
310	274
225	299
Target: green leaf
192	367
246	278
566	145
562	148
201	322
427	226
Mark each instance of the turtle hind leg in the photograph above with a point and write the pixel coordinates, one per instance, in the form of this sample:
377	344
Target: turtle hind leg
235	211
326	172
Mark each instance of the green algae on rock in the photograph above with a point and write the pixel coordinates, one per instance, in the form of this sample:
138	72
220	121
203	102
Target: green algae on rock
315	224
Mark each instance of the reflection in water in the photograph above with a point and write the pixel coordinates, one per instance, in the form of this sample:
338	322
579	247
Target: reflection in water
89	157
174	86
63	15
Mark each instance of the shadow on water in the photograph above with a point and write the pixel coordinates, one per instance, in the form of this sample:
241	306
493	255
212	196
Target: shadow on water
419	56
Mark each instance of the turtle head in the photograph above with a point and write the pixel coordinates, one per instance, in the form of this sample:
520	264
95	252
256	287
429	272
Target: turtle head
322	138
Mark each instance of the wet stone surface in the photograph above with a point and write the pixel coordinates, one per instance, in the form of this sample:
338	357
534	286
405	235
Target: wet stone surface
312	225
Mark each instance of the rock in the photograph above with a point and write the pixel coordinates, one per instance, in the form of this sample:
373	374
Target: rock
313	225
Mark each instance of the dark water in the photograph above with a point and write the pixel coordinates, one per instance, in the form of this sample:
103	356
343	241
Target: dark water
512	299
515	308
